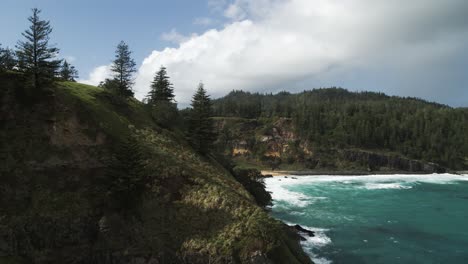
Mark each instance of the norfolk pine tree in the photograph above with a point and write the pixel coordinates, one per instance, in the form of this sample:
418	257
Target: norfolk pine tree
68	72
161	100
7	59
161	88
201	126
123	67
36	58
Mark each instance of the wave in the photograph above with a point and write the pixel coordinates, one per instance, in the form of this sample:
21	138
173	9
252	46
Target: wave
384	181
283	190
318	260
279	192
320	239
382	186
280	186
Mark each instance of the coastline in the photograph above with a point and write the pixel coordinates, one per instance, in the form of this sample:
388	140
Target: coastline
280	173
295	200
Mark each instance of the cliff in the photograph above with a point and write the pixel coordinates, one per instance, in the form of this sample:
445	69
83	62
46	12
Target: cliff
273	143
67	194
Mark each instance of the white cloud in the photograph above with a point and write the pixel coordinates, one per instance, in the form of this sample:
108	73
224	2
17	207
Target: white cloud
98	75
282	44
235	12
253	9
175	37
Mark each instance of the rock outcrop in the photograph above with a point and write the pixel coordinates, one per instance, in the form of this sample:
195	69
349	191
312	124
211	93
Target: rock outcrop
376	161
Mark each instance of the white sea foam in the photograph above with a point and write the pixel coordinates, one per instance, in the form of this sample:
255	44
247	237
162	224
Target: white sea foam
386	181
297	213
319	260
320	239
279	192
381	186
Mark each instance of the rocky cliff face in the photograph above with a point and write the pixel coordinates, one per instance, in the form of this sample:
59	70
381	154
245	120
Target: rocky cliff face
61	200
376	162
266	142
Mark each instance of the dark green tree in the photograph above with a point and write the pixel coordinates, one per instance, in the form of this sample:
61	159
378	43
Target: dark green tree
201	126
126	174
161	101
110	85
68	72
123	67
161	88
7	59
36	58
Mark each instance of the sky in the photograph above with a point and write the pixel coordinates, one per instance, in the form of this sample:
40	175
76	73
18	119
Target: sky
408	48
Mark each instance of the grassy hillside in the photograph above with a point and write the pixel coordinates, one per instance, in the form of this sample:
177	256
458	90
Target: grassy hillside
64	196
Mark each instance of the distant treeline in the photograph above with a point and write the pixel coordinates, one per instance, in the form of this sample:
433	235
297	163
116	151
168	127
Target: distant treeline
335	117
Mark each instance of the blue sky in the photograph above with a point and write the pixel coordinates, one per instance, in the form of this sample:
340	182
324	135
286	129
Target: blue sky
89	30
408	48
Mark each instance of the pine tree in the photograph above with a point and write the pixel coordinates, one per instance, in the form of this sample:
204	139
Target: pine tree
201	126
7	59
110	85
160	101
126	174
161	88
124	67
36	58
68	72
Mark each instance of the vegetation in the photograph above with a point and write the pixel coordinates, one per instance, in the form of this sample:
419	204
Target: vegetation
123	68
251	179
127	175
160	101
161	89
338	119
36	58
201	126
94	179
91	175
68	72
7	59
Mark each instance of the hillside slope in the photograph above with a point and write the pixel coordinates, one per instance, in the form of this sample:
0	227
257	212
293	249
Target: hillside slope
334	129
65	196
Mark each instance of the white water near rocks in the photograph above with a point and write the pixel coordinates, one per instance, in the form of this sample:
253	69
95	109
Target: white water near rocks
340	208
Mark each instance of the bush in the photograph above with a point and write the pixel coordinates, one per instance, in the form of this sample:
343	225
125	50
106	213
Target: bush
165	114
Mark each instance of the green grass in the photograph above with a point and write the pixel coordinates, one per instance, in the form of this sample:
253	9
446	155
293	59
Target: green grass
113	114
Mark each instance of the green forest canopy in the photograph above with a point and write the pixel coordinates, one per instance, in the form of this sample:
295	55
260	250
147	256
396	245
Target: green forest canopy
335	117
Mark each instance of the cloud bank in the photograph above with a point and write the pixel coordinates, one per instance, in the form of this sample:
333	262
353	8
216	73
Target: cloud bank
399	47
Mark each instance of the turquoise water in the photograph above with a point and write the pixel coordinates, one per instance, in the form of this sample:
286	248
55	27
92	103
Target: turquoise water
378	218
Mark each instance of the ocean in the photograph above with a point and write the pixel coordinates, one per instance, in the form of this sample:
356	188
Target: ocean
378	218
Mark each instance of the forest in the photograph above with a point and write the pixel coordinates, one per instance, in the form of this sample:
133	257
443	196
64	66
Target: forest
337	118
